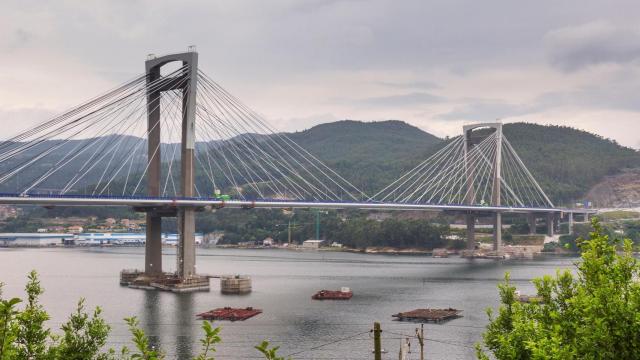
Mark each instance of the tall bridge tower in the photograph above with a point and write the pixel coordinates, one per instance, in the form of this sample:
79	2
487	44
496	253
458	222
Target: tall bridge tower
496	179
186	83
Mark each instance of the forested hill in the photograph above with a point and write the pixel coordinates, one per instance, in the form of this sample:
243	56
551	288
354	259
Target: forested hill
565	161
356	141
369	154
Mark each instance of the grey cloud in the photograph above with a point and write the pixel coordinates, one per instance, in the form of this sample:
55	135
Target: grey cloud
485	110
247	44
617	95
408	99
425	85
573	48
16	120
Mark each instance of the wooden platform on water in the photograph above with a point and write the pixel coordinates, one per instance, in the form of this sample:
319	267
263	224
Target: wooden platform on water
428	315
230	314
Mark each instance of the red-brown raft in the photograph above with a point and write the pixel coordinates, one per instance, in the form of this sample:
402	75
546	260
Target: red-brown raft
230	314
342	294
435	315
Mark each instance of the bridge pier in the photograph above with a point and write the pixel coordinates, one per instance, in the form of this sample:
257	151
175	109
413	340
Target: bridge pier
186	252
531	218
550	224
471	231
153	246
570	215
497	233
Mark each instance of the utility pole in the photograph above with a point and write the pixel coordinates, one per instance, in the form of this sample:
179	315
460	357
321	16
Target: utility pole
377	347
405	349
420	336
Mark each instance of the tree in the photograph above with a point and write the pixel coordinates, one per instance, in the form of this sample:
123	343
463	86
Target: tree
83	336
31	334
211	338
590	315
269	353
8	312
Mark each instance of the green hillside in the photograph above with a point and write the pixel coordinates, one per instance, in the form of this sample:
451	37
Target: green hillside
369	154
356	141
566	161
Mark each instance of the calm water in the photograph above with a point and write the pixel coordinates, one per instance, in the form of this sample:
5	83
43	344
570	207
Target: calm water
283	282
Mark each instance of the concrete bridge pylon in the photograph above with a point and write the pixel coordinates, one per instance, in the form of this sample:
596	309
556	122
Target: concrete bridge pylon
185	277
496	198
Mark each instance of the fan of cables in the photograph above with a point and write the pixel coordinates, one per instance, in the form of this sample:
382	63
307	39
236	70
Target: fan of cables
457	175
100	148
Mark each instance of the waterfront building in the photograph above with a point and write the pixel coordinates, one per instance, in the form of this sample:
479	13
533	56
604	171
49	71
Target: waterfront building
34	239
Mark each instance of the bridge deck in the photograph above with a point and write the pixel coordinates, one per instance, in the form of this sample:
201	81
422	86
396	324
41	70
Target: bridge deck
136	201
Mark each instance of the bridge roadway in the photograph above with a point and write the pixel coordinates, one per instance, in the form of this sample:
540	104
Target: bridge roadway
143	201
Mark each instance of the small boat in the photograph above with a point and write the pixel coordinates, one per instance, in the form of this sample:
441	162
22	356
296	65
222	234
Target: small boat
343	294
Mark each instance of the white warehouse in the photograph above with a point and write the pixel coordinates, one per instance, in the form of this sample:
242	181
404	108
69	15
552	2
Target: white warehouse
34	239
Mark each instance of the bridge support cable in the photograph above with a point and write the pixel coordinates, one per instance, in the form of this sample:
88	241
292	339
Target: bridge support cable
102	147
134	147
285	161
479	168
417	174
259	161
283	142
242	138
86	147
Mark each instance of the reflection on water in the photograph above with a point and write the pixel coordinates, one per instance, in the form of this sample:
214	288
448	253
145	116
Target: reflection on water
150	317
185	333
283	282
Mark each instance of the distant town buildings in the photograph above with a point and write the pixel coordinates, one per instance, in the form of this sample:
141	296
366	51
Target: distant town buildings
85	239
7	212
75	229
312	244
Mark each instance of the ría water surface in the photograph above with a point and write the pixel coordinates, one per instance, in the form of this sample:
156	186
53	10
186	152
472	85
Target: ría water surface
283	282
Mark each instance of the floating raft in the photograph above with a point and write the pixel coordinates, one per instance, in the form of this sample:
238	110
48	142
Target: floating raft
423	315
342	294
230	314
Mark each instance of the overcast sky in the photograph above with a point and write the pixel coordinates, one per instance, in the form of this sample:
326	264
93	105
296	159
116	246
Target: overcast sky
434	64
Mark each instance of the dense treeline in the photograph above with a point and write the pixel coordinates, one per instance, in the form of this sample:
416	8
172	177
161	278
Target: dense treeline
351	229
589	312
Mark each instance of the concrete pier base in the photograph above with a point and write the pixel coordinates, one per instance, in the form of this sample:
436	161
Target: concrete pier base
136	279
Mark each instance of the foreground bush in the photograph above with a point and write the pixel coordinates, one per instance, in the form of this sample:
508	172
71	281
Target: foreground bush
25	336
594	314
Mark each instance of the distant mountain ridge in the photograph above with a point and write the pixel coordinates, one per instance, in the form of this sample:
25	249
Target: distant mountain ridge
565	161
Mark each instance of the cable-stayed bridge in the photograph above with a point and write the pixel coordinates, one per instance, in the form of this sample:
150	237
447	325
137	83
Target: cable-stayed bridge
172	141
